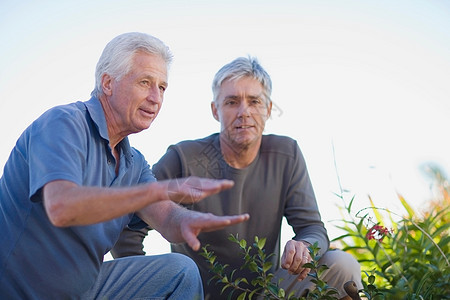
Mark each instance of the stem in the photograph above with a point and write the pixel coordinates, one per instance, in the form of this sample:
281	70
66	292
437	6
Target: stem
394	265
336	169
431	239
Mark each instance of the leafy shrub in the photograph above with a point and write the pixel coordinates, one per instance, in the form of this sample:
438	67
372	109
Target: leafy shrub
410	260
263	284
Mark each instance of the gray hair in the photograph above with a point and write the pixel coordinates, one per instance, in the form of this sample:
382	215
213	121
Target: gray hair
118	53
243	67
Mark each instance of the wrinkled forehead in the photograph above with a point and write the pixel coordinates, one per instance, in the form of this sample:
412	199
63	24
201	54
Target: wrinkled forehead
243	87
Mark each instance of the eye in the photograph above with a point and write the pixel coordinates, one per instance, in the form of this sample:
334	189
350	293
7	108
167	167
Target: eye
145	82
230	102
162	88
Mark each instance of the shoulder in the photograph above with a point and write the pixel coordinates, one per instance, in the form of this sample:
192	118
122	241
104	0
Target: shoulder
72	109
279	144
199	145
62	119
64	113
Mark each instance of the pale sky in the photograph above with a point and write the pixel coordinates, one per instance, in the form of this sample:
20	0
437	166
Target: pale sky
371	78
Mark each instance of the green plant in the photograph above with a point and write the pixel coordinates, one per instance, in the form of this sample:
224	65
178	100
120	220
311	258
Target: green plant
370	290
410	260
263	284
257	263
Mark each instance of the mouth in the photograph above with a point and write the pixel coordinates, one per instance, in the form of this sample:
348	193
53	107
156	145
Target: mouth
244	127
148	113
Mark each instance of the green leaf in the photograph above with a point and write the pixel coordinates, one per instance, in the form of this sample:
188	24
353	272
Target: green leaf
233	238
406	206
261	243
253	266
242	296
250	296
225	287
375	211
267	266
273	289
349	209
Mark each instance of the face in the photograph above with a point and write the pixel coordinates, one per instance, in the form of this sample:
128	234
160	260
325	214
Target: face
134	101
242	112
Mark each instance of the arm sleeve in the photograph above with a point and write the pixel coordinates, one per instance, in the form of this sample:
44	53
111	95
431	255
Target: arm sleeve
130	243
58	146
301	210
169	166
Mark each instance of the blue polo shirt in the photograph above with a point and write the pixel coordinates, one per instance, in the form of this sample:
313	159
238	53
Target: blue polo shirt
37	259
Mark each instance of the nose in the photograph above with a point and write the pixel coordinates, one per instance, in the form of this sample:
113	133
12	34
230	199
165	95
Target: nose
155	95
244	110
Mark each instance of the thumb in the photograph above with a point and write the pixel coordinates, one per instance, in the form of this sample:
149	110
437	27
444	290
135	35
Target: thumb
191	239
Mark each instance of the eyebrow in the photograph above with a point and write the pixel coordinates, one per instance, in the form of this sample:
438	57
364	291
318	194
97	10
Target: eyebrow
151	77
234	97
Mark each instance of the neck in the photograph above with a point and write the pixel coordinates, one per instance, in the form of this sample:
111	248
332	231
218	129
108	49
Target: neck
238	156
114	134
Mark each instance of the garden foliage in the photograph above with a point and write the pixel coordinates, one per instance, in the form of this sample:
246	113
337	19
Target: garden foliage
407	260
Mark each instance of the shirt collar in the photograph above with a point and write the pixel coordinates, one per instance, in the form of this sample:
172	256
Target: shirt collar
95	110
97	114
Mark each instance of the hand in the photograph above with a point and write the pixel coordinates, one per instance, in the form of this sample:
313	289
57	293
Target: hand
193	189
193	222
295	255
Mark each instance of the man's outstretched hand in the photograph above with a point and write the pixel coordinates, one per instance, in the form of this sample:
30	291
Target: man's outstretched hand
193	189
178	224
192	223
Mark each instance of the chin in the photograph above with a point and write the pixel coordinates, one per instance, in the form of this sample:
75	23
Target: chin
245	143
148	123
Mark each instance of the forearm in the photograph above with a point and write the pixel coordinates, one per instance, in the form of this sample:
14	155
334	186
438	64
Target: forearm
68	204
164	217
178	224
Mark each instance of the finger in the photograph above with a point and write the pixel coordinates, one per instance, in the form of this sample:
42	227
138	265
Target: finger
303	274
296	265
193	189
212	223
226	184
238	218
214	186
302	259
191	238
288	256
220	222
208	183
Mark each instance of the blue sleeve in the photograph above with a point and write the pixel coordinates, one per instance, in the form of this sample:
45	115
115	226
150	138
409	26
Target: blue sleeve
57	143
146	172
136	223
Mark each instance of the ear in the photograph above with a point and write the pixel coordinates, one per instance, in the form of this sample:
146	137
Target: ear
107	84
269	109
214	111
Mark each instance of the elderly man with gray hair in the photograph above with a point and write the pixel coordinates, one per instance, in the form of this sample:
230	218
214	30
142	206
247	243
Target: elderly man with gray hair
72	183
